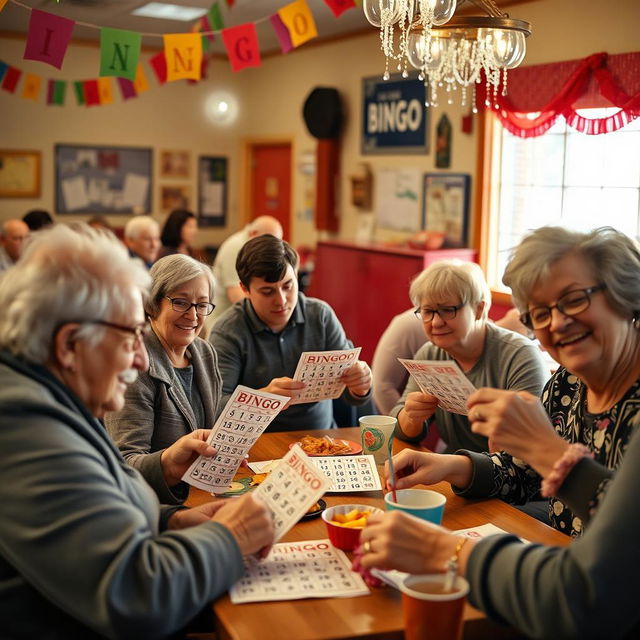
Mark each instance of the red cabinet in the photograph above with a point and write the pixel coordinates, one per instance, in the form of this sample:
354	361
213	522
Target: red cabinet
368	285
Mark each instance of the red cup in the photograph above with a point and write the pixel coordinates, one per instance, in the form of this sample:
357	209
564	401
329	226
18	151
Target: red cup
429	612
345	538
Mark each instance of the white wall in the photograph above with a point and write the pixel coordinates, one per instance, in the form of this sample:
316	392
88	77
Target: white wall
271	99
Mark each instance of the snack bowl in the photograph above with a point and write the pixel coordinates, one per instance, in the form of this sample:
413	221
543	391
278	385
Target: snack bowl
343	537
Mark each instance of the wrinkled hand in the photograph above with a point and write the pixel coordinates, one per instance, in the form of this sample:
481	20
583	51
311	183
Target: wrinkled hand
177	458
285	387
516	422
250	523
400	541
419	467
357	378
197	515
419	406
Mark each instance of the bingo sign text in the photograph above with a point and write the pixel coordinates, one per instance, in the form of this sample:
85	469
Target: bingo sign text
394	118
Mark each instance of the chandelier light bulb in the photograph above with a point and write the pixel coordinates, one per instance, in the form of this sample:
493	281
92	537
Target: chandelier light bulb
443	11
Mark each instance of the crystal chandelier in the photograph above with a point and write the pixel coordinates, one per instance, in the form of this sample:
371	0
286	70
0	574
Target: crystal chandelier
449	51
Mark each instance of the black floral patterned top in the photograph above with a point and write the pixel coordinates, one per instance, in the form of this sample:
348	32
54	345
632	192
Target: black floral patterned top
500	475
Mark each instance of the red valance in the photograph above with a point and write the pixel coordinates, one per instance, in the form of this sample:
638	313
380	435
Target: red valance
559	89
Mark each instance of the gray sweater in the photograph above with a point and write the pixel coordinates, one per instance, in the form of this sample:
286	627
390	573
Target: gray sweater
587	590
83	548
508	361
157	411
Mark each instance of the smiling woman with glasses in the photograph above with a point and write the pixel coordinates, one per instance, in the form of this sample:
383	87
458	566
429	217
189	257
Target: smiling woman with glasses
181	390
453	300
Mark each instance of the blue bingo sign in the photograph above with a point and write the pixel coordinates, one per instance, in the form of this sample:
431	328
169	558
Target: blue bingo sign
394	118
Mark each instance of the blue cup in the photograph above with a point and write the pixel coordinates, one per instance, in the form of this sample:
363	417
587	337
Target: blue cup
422	503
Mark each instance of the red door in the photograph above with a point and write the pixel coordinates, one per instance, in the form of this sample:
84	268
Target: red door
271	183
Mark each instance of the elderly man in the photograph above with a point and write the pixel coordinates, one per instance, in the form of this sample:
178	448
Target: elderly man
142	237
228	290
14	233
259	340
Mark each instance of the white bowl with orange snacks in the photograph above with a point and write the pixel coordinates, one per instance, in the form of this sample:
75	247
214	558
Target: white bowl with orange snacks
345	522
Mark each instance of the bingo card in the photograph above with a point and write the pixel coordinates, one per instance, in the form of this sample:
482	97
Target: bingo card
347	473
246	415
442	379
296	570
291	488
321	371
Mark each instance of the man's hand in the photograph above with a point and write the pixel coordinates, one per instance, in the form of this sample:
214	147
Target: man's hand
284	387
177	458
357	378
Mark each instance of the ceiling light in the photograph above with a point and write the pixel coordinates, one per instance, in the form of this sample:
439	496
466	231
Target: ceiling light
169	11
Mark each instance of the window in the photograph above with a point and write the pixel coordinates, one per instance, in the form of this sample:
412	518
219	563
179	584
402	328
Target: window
564	178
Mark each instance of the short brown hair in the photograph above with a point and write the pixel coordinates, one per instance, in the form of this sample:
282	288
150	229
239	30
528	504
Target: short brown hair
265	257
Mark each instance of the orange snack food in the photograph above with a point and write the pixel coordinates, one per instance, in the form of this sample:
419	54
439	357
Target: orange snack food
324	446
355	519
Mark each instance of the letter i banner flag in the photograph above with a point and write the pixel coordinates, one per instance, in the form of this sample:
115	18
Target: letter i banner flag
183	53
119	53
48	38
340	6
242	46
299	21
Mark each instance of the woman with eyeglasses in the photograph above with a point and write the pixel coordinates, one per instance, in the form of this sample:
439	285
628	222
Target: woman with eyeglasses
453	301
180	393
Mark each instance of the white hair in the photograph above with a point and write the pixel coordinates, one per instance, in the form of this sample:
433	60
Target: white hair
137	225
66	274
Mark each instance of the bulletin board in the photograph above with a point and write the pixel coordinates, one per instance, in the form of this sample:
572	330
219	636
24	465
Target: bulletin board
212	191
91	179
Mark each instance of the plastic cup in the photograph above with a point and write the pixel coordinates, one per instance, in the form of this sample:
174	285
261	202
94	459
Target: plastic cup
429	612
422	503
376	436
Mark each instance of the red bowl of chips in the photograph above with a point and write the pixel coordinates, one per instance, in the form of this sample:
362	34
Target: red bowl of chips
345	523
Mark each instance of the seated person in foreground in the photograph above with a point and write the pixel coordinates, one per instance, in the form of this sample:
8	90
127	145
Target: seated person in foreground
180	392
86	549
579	293
453	301
260	339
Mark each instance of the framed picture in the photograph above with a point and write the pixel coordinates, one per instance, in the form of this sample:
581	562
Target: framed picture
19	173
212	191
446	206
175	164
175	197
93	179
394	118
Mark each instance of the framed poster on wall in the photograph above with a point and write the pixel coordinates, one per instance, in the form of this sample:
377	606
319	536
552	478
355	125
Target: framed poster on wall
446	206
212	191
92	179
394	116
19	173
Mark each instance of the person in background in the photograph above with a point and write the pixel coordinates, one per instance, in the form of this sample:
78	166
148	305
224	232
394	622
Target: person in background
228	289
453	300
12	238
180	392
37	219
260	339
178	233
579	293
87	550
401	339
142	238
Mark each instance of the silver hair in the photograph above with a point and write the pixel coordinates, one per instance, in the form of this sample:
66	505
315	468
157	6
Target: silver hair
452	279
613	256
169	273
137	224
65	275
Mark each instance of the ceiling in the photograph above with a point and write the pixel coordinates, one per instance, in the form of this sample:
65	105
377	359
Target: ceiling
117	14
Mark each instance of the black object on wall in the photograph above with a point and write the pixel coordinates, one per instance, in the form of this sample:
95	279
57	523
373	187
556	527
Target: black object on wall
323	113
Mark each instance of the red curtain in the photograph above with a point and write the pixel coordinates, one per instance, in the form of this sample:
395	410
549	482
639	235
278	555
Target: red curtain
558	89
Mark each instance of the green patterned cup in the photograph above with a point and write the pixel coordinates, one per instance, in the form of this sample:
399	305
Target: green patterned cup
376	436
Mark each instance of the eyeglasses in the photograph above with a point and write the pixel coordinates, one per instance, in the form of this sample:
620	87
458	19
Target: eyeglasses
570	304
181	305
138	332
446	313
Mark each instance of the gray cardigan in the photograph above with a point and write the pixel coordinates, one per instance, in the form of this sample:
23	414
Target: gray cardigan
84	550
157	411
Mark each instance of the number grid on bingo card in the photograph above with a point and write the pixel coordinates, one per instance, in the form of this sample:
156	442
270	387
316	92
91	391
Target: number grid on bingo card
350	473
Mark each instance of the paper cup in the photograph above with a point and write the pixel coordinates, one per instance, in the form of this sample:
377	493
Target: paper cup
422	503
376	436
429	612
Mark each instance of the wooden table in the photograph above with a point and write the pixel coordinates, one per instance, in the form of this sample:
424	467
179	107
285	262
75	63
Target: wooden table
379	615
